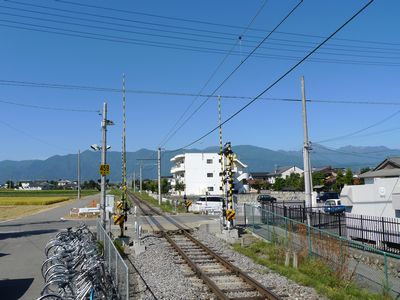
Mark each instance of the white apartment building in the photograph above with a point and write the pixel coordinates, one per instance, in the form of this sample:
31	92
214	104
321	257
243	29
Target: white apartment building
200	173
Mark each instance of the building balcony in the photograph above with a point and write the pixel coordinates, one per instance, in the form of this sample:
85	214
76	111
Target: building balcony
178	169
177	158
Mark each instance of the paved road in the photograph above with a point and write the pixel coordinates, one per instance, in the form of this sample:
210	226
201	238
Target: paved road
22	242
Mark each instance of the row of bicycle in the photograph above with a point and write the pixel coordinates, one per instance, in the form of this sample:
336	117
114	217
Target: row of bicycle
74	268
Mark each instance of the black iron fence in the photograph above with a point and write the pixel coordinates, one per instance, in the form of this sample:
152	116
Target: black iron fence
379	232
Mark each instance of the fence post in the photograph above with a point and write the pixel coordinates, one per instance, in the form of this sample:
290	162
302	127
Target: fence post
252	212
340	226
362	230
386	286
245	219
116	269
309	240
109	254
383	235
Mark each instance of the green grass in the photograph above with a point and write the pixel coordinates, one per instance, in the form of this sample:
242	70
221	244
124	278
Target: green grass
31	200
50	193
311	272
165	206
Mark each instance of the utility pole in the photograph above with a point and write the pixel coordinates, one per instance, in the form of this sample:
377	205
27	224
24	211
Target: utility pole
134	181
79	174
159	174
140	176
103	161
306	154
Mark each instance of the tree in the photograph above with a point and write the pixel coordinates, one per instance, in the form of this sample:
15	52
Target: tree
348	177
260	184
318	178
165	186
279	184
180	187
10	184
292	182
337	187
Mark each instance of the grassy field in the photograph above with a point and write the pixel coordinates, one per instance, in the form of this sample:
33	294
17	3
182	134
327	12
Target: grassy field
50	193
15	203
31	200
311	272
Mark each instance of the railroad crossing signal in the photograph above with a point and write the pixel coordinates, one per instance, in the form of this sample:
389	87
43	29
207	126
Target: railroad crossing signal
119	219
230	214
120	205
104	170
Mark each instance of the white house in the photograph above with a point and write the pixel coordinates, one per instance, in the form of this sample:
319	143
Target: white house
283	172
200	172
380	195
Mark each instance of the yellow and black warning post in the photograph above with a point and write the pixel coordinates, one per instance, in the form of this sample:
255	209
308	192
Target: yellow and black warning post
227	175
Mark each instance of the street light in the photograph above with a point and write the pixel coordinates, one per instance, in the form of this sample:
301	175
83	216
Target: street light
104	147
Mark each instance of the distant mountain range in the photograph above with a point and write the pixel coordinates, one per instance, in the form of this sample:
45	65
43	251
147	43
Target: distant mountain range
258	159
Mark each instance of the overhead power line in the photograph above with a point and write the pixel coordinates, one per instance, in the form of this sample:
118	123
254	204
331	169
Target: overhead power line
119	39
171	132
235	69
48	107
221	24
48	85
362	129
282	76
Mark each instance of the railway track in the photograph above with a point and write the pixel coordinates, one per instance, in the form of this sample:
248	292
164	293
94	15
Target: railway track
222	278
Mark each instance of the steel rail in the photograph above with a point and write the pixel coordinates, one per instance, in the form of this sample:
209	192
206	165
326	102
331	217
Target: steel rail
264	292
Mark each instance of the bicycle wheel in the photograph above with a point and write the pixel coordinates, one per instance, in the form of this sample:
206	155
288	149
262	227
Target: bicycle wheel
60	287
48	263
50	297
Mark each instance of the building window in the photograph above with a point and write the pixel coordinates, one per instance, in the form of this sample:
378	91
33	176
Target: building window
210	188
397	213
210	175
209	161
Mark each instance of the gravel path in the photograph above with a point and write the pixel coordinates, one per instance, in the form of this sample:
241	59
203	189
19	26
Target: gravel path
163	271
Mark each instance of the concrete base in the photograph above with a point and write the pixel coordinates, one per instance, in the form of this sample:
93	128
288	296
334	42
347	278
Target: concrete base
137	248
230	236
124	240
213	228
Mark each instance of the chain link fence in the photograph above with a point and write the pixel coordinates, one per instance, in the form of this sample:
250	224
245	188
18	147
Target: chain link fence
368	267
114	263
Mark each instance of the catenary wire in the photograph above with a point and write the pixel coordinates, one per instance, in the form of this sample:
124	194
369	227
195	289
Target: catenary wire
281	77
235	69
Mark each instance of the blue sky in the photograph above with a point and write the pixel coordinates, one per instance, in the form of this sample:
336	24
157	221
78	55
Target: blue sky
369	45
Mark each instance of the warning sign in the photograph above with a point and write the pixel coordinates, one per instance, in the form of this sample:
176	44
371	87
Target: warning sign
104	169
230	214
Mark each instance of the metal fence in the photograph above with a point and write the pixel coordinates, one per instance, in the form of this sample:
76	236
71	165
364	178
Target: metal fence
115	264
378	232
367	266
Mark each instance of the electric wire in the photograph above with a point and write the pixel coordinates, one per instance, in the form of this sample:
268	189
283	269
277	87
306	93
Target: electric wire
362	129
218	24
204	49
31	84
234	70
171	131
282	76
49	107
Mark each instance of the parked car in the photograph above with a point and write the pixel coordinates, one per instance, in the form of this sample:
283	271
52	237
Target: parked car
265	198
327	195
333	206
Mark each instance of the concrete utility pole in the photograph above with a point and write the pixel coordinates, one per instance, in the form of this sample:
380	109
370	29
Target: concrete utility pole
159	174
79	174
140	176
103	161
306	154
134	181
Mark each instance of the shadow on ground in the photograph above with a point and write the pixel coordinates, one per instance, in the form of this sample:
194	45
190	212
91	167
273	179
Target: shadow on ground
13	235
12	289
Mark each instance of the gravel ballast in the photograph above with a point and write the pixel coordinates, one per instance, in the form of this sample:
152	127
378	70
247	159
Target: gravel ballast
163	271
